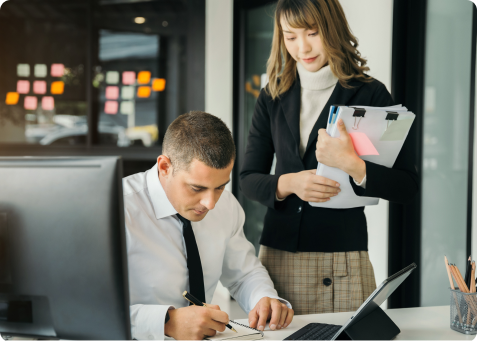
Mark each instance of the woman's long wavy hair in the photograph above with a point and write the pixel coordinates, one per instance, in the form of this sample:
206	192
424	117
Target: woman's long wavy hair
327	16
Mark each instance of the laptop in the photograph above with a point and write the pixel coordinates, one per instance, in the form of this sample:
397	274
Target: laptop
369	322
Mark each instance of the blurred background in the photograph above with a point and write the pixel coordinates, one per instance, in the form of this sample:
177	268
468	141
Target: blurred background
107	77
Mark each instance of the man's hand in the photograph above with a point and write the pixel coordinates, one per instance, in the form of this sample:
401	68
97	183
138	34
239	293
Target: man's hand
279	314
195	322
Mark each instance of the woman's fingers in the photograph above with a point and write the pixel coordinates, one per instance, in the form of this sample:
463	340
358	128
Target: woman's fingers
316	199
325	181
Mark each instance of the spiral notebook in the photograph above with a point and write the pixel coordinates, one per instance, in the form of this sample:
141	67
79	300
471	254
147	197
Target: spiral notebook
244	333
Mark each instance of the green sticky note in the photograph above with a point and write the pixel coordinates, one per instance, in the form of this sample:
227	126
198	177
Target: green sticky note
397	130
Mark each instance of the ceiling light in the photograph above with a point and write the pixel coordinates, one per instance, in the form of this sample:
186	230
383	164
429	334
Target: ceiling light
139	20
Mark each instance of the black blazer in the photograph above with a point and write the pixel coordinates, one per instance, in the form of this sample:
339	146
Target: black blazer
293	225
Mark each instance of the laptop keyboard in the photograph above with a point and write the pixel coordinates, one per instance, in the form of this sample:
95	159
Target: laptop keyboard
315	331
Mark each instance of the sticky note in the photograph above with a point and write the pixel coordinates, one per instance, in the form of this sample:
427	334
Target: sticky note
127	93
23	87
39	87
143	92
362	145
31	102
129	77
12	98
57	70
111	107
23	70
58	87
127	108
41	70
397	130
159	84
112	92
112	77
48	103
144	77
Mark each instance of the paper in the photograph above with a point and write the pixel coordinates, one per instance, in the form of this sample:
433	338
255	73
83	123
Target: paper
112	77
23	70
12	98
41	70
243	333
112	92
23	87
127	93
48	103
127	107
362	145
397	130
39	87
129	77
58	87
159	84
57	70
144	77
143	92
31	102
111	107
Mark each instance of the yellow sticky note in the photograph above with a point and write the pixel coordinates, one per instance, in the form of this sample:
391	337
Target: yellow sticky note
58	87
143	91
12	98
159	84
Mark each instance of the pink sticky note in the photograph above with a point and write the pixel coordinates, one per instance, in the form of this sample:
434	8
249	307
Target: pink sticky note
57	70
23	87
48	103
362	145
111	107
129	77
31	102
39	87
112	92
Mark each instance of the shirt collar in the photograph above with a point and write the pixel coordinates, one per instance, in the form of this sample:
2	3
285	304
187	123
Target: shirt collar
160	202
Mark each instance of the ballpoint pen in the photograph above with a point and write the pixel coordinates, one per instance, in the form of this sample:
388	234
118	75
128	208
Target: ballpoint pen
197	302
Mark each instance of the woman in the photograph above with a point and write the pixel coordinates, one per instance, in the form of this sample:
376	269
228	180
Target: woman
317	257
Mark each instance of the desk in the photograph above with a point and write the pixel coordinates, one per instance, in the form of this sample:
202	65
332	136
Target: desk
429	323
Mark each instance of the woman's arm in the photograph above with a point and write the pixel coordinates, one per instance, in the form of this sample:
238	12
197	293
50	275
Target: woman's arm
256	182
397	184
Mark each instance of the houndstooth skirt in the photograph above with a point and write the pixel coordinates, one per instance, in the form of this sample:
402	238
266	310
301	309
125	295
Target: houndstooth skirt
317	282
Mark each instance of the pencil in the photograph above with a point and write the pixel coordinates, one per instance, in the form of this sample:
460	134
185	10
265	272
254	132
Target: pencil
462	287
197	302
453	288
467	271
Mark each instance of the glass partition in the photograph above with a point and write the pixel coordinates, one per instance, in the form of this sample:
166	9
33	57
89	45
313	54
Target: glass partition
445	144
42	72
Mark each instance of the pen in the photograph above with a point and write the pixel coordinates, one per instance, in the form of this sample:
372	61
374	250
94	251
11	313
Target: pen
197	302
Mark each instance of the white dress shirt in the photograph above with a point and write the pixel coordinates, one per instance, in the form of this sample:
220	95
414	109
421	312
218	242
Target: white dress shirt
157	260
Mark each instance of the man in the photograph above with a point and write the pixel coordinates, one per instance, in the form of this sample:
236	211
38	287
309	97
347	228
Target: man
185	232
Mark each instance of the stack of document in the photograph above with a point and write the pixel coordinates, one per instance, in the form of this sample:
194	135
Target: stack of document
378	134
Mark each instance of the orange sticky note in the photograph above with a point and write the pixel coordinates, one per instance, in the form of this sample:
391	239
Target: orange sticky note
362	145
159	84
57	87
144	77
143	91
12	98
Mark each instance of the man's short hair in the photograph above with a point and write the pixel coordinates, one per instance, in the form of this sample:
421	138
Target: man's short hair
201	136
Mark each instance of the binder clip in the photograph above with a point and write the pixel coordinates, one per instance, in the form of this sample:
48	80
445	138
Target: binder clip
358	113
392	116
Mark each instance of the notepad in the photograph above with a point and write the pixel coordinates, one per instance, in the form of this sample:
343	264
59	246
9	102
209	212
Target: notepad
244	333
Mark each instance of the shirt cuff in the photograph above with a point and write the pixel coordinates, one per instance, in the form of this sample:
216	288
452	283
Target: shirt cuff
362	184
149	322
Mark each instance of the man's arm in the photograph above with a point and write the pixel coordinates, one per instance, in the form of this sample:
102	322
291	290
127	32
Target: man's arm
147	321
248	281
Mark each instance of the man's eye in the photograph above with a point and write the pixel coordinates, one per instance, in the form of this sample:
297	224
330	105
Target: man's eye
196	190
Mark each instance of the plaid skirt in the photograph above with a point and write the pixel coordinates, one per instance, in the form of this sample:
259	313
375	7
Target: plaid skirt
317	282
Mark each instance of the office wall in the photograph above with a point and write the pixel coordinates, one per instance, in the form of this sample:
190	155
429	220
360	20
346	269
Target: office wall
371	21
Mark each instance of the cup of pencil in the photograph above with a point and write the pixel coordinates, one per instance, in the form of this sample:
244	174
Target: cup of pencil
463	298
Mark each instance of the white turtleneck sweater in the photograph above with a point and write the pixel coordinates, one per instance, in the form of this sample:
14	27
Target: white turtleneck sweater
316	89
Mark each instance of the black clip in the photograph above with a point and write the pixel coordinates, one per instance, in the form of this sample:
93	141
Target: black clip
358	113
392	116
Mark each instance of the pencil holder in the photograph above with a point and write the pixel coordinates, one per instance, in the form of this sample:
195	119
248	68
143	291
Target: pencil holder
463	312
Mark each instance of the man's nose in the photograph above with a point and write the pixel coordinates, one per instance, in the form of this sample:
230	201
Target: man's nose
209	201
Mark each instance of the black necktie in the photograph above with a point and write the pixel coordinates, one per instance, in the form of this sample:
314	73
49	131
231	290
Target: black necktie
196	277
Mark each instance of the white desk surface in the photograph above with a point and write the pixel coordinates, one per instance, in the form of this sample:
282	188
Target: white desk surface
428	323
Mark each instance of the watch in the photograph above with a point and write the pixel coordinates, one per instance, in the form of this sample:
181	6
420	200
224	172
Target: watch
167	317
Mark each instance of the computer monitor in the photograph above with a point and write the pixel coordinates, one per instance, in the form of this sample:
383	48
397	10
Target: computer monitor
63	261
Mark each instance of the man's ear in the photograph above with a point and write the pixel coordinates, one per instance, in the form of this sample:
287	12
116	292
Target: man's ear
164	166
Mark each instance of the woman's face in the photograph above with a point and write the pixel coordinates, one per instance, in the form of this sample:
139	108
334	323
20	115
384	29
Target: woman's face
305	46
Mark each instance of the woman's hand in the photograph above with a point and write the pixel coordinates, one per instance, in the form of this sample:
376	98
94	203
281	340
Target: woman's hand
340	153
308	186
